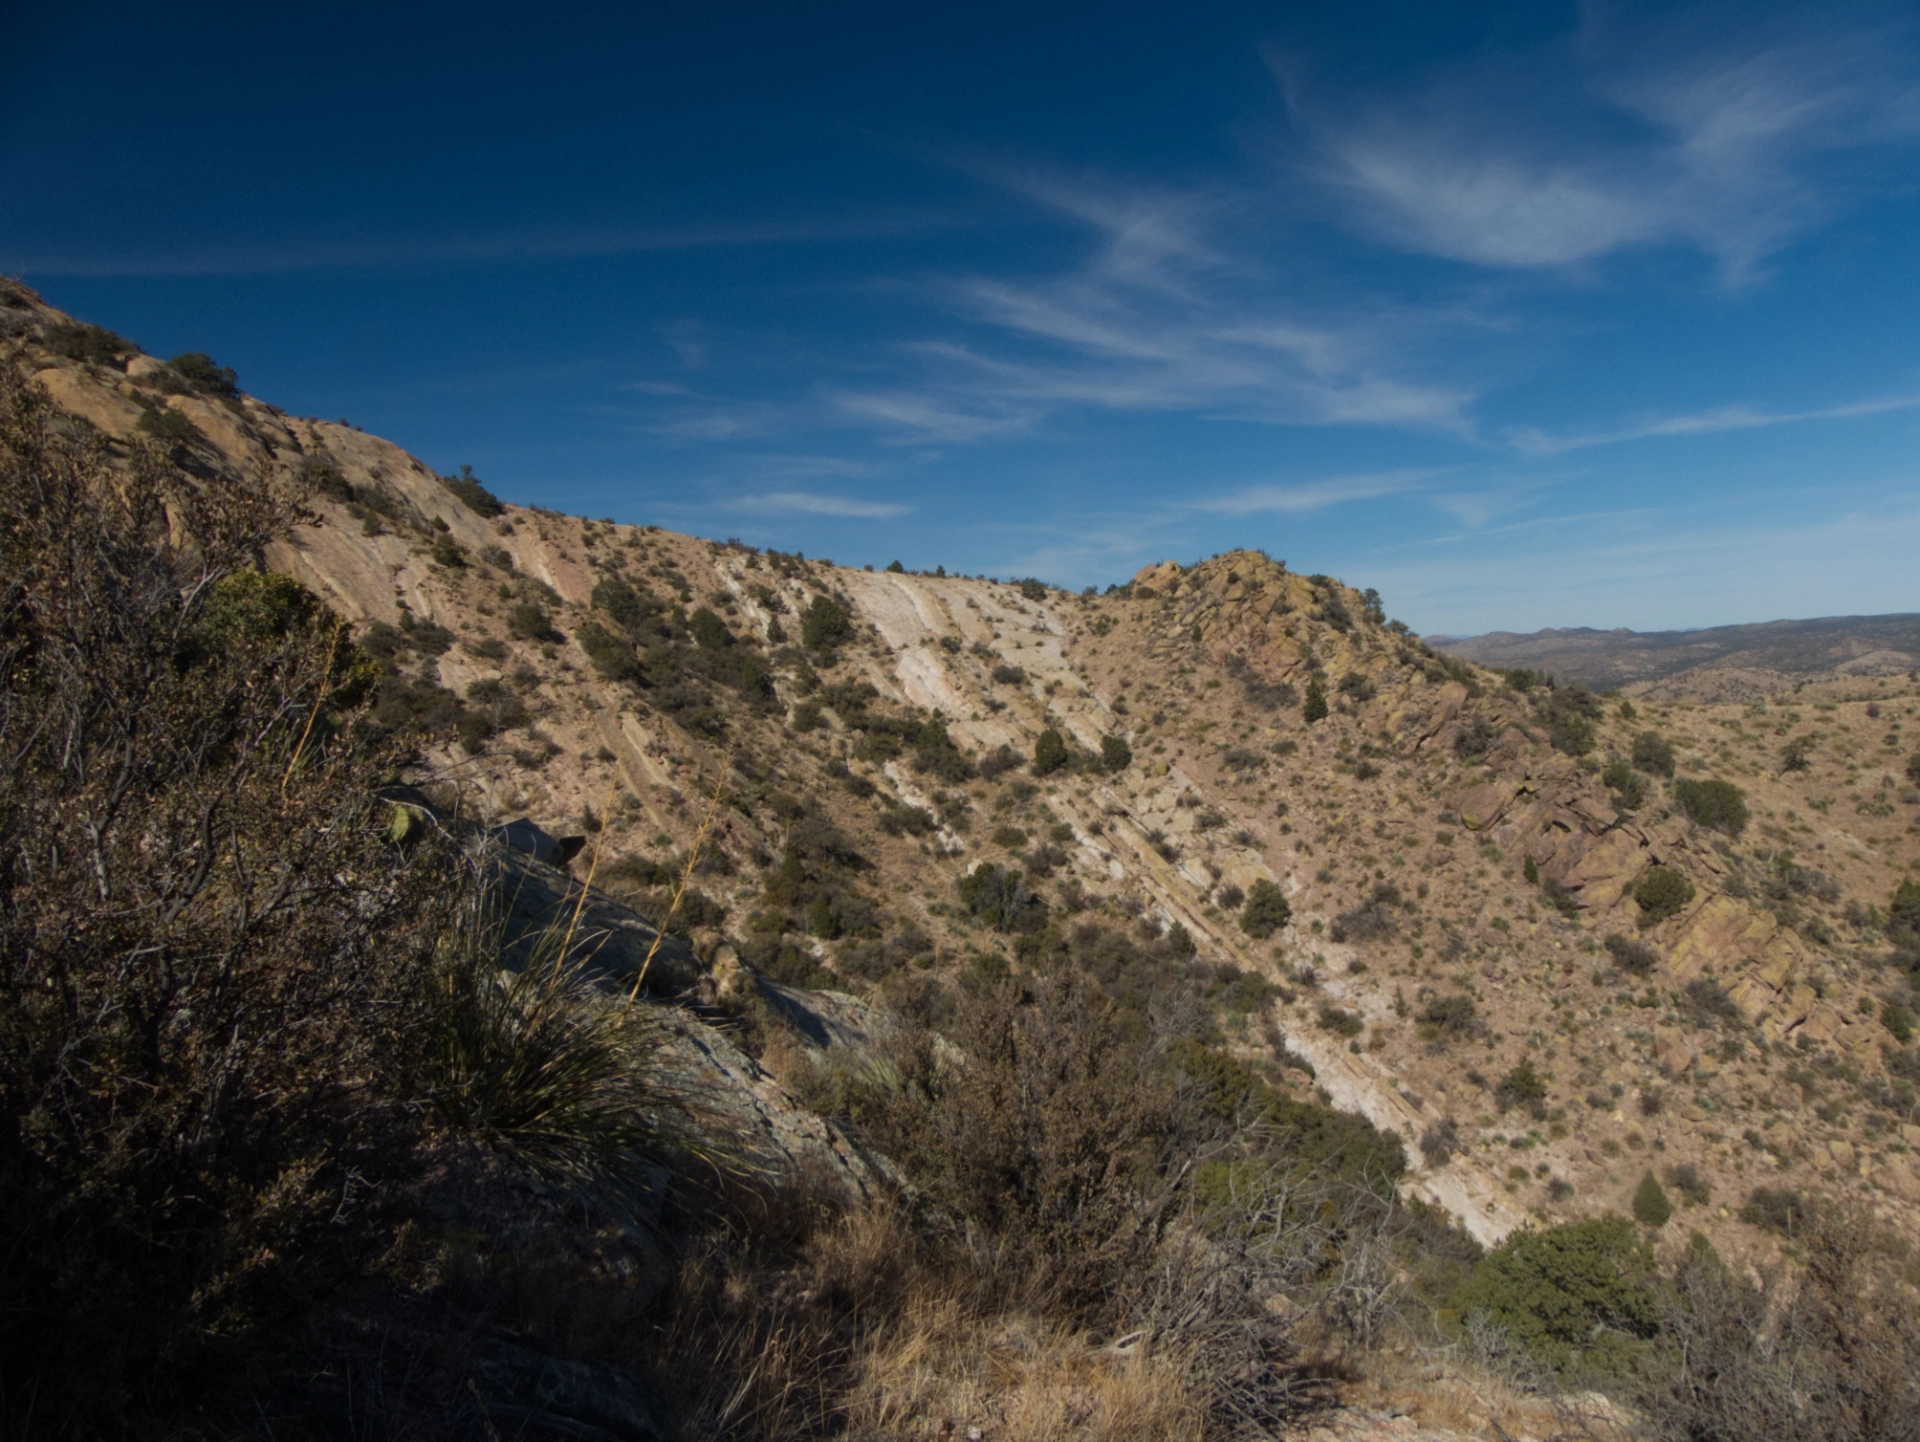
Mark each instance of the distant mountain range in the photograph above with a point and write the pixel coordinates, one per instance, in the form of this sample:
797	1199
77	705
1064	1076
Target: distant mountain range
1760	658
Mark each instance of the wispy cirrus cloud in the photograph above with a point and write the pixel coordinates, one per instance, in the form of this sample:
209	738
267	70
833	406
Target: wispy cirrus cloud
1158	315
1296	498
1626	135
933	414
810	503
1532	441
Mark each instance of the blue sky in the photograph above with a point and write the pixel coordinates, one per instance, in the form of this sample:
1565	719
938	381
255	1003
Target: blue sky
1525	314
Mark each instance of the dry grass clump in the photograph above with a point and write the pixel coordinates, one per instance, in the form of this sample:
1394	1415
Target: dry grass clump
944	1368
856	1327
543	1065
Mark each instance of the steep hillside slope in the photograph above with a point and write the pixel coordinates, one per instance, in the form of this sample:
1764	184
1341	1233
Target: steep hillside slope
1469	957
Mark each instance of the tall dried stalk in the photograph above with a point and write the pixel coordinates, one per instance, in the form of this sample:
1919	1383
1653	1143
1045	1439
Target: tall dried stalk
686	873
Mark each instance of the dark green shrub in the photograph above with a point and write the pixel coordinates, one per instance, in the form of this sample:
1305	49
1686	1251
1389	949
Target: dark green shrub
896	569
77	341
1009	675
1627	784
611	655
1650	1205
1266	911
1523	1086
1450	1017
1653	753
709	632
1662	892
935	754
1797	755
173	430
1569	713
1903	908
1560	899
470	493
999	761
1913	768
1115	754
806	717
1778	1209
1032	589
1692	1187
198	370
1707	1003
826	624
323	479
630	608
1898	1020
1572	735
1577	1298
1716	804
1339	1021
1049	752
529	621
1633	957
1314	708
1442	1142
1477	736
1372	919
822	920
447	552
1001	898
502	709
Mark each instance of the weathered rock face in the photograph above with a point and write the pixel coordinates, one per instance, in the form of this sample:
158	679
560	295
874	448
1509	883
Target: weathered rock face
1248	607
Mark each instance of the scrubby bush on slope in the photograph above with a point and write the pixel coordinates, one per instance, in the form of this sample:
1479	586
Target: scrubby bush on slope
214	955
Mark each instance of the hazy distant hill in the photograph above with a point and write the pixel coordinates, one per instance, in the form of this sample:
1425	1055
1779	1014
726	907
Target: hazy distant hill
1762	657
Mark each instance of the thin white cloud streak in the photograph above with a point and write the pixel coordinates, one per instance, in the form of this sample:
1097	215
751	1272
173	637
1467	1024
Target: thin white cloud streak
1580	150
808	503
1534	442
1300	499
1154	319
815	468
918	416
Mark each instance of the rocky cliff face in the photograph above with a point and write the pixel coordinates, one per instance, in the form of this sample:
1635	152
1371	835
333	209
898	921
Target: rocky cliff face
1454	861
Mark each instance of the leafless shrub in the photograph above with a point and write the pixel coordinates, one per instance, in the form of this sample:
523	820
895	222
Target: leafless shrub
1441	1142
1826	1354
1049	1140
216	952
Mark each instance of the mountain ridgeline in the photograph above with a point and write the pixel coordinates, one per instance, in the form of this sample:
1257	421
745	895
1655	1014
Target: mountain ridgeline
1716	663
